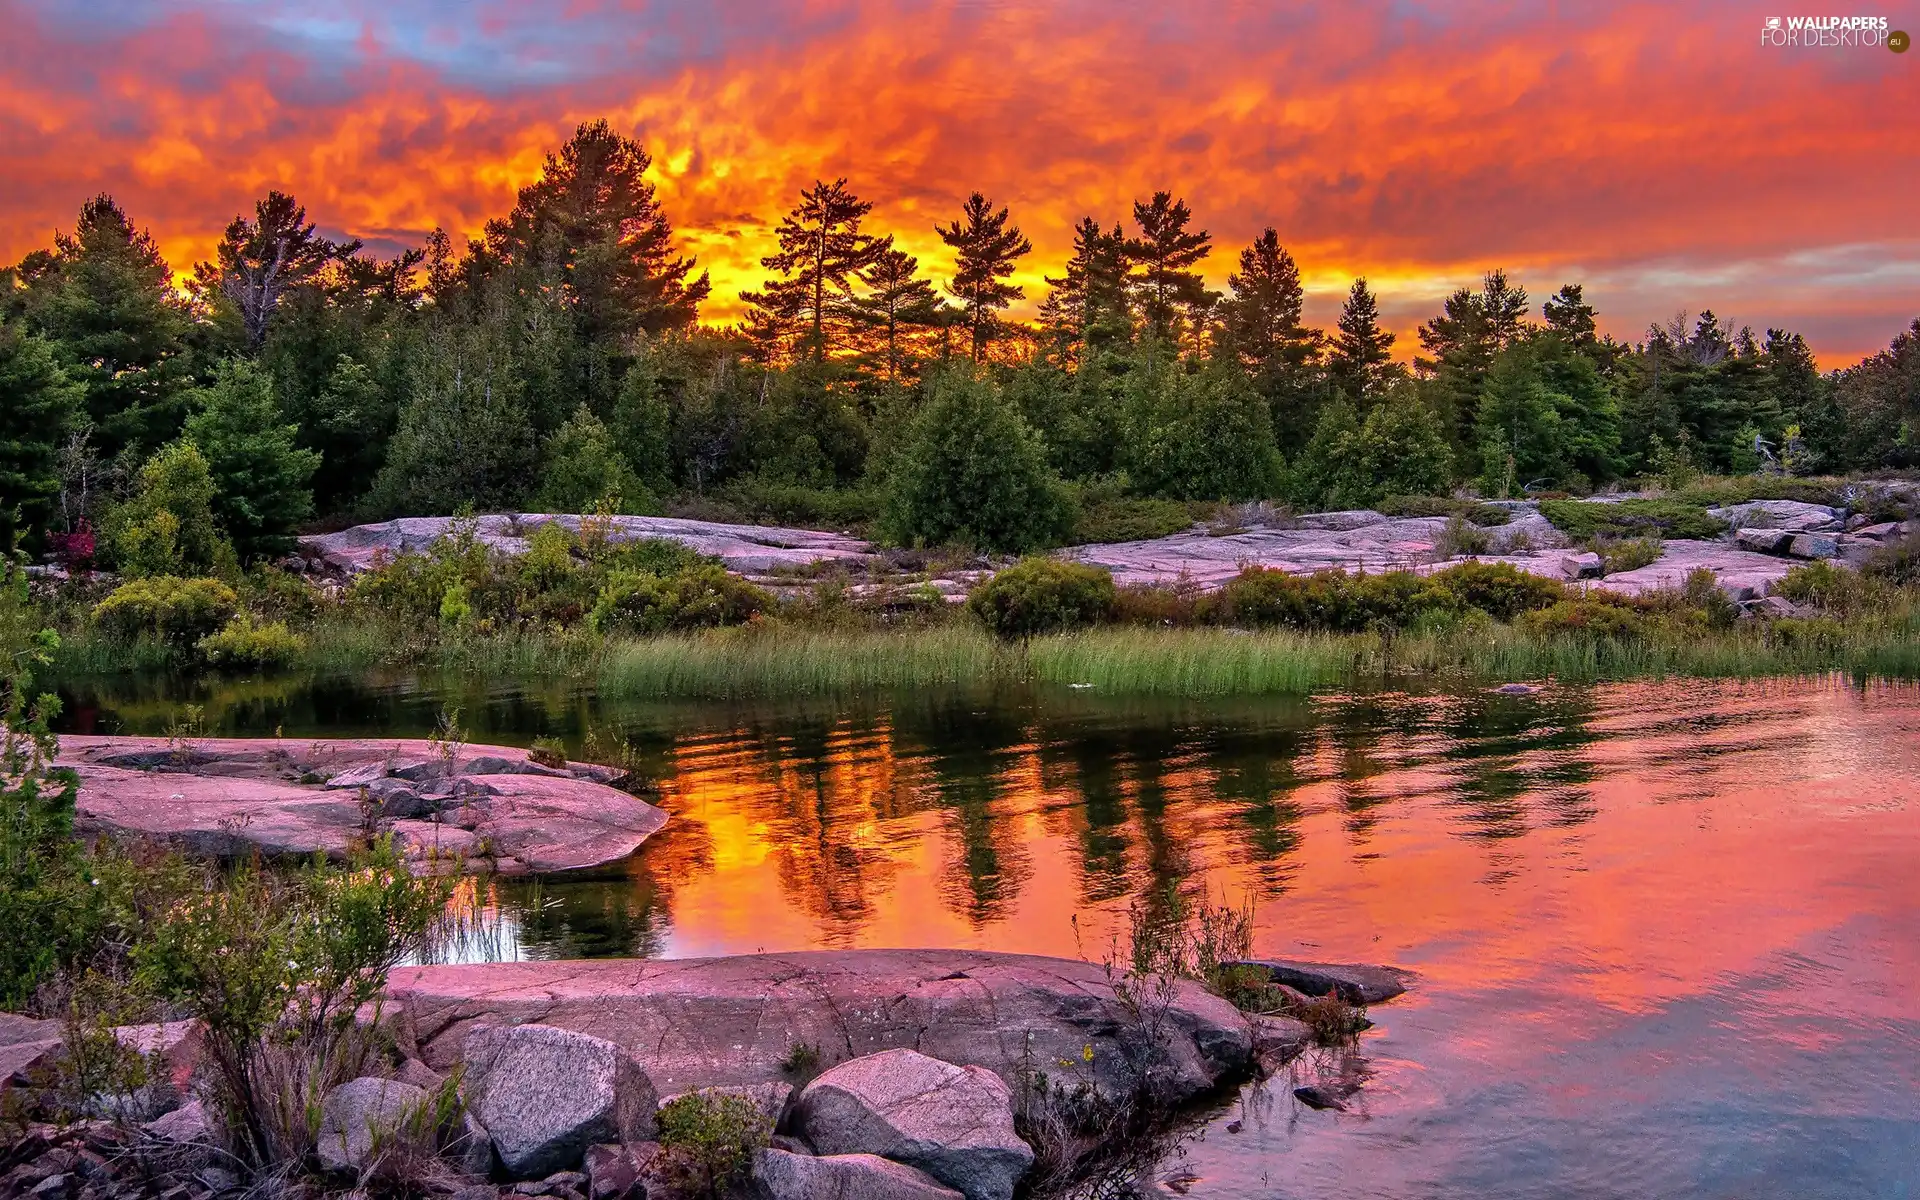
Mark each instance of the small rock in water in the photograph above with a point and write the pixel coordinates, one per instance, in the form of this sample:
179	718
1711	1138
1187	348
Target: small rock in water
1326	1095
1516	689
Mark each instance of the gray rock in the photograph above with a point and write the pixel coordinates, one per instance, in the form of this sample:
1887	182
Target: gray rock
613	1172
1813	545
546	1094
218	1180
1326	1095
53	1187
360	1114
1763	541
1588	565
419	1074
778	1175
1344	521
954	1123
1886	531
494	764
1278	1040
1356	983
1794	516
185	1126
361	776
470	1146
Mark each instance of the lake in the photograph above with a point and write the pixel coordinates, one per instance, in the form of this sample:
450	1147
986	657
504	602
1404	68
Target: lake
1667	935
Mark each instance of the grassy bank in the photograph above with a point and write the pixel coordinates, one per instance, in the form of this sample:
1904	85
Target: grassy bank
784	660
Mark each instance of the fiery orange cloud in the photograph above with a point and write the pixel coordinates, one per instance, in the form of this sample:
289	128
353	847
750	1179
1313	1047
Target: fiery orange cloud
1666	159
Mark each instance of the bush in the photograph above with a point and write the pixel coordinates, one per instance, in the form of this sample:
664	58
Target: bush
1132	518
262	479
700	597
1327	600
244	642
1460	539
972	472
168	527
1500	590
168	608
1584	616
1628	554
583	466
1898	564
1043	595
1585	520
770	501
1443	506
1825	586
709	1139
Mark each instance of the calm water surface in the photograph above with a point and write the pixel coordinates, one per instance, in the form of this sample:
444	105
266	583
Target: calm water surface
1668	935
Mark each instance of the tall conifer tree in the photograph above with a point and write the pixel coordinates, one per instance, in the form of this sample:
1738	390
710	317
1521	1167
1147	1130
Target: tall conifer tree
985	249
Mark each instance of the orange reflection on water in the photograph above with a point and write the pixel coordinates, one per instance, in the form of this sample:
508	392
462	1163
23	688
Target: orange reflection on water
1633	845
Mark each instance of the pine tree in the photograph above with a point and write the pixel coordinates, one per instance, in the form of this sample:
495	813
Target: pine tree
1085	312
1518	425
1261	314
1570	316
1202	435
105	298
897	304
1362	351
1169	292
822	250
258	262
584	468
985	249
593	224
38	404
261	479
1462	342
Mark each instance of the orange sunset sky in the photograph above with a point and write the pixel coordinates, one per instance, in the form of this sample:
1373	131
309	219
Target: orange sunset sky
1658	153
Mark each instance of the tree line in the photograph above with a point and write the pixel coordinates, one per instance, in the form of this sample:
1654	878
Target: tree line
556	362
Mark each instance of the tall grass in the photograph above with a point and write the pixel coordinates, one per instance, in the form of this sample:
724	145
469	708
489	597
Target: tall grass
787	661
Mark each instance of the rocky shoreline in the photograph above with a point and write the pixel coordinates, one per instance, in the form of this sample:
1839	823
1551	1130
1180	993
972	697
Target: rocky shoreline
445	804
868	1075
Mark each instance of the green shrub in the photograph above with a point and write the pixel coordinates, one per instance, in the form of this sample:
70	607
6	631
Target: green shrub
1628	554
1585	520
1584	616
1825	586
168	527
1702	591
1443	506
168	608
774	502
1132	519
700	597
1898	563
244	642
1043	595
710	1138
972	472
1461	539
1500	590
1721	490
1326	600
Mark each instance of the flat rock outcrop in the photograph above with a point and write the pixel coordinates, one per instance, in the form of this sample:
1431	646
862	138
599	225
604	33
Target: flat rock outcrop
698	1023
289	797
743	548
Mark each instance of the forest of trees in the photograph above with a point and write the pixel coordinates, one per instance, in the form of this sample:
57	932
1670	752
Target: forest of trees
557	361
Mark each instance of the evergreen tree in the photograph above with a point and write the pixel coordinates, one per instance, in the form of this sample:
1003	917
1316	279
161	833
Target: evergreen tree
985	249
1362	353
642	427
898	304
1463	340
1399	450
1262	311
1170	294
584	467
1569	315
261	478
465	436
972	472
1879	398
105	297
822	250
38	404
258	262
1085	313
592	224
1202	435
1589	425
1518	425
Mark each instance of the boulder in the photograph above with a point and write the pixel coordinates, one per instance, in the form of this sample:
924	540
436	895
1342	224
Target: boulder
546	1094
1356	983
187	1125
364	775
954	1123
25	1043
359	1116
779	1175
698	1023
1326	1095
1278	1040
615	1172
1763	541
1794	516
1813	545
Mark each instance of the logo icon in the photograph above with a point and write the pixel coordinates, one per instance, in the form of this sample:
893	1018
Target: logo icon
1773	23
1898	41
